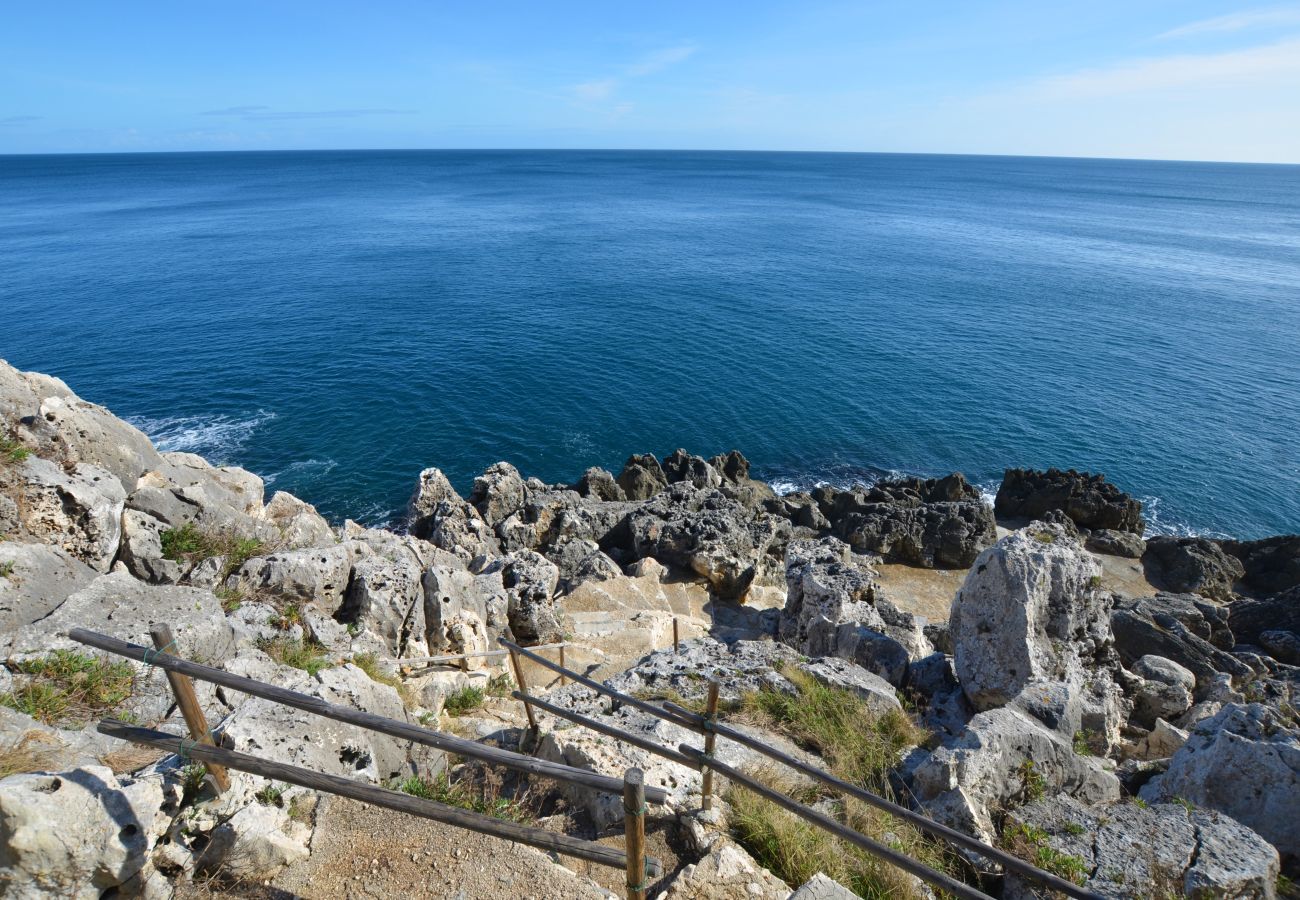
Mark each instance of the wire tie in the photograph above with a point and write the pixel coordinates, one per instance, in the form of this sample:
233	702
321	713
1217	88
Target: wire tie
151	653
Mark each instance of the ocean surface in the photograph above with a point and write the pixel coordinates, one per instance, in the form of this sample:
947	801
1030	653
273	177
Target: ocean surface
338	321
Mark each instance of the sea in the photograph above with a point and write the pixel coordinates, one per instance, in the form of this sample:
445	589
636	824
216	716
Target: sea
337	321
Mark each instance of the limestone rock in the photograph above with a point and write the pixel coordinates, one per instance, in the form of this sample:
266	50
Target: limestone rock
727	872
879	694
317	576
1181	627
800	508
298	522
498	493
1191	565
600	484
1116	543
822	887
1089	500
1249	619
79	833
141	549
1165	692
440	516
1244	762
39	579
385	597
680	466
463	612
78	509
1271	565
255	844
93	435
642	477
530	580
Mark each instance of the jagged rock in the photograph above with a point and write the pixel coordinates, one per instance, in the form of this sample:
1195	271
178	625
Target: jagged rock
739	668
1004	757
255	844
498	493
238	490
1271	565
832	608
1124	850
600	484
298	522
1161	742
707	533
141	549
800	508
822	887
934	523
726	873
440	516
878	694
318	575
1029	626
39	579
1180	627
1284	646
385	597
80	833
530	580
1116	543
1191	565
1165	691
1090	500
642	477
463	612
78	508
681	466
1249	619
1245	762
579	560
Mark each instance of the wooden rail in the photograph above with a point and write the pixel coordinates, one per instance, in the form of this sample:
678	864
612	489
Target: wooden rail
608	730
678	715
396	800
370	721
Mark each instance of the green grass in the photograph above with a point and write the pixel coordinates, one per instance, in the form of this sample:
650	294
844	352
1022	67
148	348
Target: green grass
189	543
306	655
71	688
1030	844
12	452
501	685
484	797
271	795
859	746
1032	783
1046	537
369	663
6	569
464	700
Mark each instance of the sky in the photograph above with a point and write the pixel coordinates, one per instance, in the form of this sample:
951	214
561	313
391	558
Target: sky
1137	79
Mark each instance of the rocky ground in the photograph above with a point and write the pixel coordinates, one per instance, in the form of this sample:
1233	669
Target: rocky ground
1117	709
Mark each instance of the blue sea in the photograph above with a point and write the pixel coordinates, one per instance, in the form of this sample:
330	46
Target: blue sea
338	321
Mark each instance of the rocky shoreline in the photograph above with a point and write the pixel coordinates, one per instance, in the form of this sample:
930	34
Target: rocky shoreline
1144	729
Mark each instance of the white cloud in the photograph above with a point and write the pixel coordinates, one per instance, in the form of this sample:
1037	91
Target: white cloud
1258	18
594	91
1265	65
602	89
660	60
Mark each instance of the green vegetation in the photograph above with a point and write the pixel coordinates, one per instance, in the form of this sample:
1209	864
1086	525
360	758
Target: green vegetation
501	685
463	700
1032	783
1088	743
191	544
1140	803
231	598
306	655
369	663
6	569
484	796
12	452
1030	844
1046	537
1094	581
1185	804
271	795
71	688
1074	828
858	746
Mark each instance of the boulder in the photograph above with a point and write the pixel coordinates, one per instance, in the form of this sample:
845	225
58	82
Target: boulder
255	844
437	514
1245	762
1271	565
1089	500
822	887
600	484
1183	628
385	597
642	477
316	576
78	508
800	508
707	533
1165	692
726	873
1191	565
37	579
141	549
680	466
833	608
81	833
933	523
1284	646
298	522
498	493
463	612
530	581
1116	543
1126	850
1249	619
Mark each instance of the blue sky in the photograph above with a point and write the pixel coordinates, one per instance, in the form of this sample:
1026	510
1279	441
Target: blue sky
1160	79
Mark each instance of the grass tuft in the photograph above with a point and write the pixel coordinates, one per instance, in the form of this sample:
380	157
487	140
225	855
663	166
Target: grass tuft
306	655
369	663
32	752
1030	844
12	452
190	544
484	796
7	569
71	688
464	700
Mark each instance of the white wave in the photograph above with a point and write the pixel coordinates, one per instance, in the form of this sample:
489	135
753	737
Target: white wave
216	438
303	469
1158	524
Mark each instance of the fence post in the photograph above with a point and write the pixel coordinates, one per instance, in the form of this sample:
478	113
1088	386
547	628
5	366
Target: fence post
523	688
710	739
634	829
676	643
188	702
563	680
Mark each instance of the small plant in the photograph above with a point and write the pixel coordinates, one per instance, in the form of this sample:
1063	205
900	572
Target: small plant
1065	865
30	753
271	795
190	544
6	569
1033	785
231	598
180	543
463	700
369	663
288	617
484	796
1031	844
306	655
501	685
12	452
1074	828
1045	537
1086	742
1140	803
1185	804
1094	582
69	688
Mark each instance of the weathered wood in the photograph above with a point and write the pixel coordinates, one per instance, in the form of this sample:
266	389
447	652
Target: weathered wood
677	648
922	822
188	703
523	686
611	731
368	793
563	682
826	823
710	740
638	874
480	654
618	697
390	727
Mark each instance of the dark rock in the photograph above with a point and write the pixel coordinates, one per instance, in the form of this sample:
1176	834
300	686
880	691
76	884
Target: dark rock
732	466
599	483
642	477
933	523
1180	627
1090	500
1249	619
1116	543
1271	565
681	466
1191	564
800	508
1284	646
